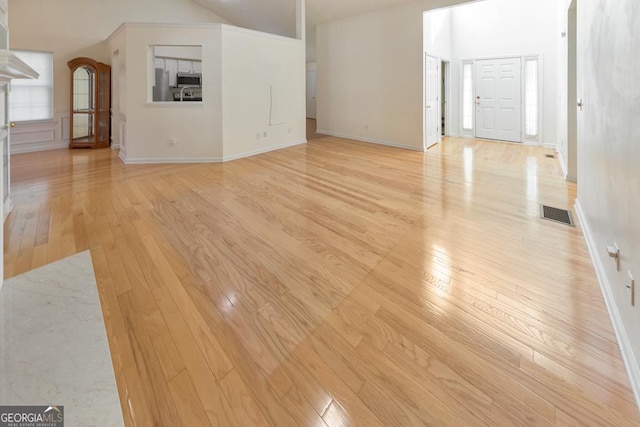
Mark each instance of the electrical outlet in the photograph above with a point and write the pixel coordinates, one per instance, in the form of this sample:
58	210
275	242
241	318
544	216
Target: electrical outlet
631	285
264	134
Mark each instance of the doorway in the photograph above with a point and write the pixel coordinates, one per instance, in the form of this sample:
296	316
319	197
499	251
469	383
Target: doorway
445	80
437	92
432	100
311	91
499	99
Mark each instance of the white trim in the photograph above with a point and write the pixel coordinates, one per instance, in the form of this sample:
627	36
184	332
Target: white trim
563	165
538	139
12	67
371	140
37	146
211	26
448	94
471	133
8	207
630	361
174	104
41	135
161	160
263	150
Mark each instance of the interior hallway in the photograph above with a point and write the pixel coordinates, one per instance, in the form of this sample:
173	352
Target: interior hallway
333	282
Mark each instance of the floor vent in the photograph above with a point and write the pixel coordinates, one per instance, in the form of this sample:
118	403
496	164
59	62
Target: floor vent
551	156
557	215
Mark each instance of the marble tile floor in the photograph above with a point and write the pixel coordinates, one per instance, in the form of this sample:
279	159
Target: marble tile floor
53	344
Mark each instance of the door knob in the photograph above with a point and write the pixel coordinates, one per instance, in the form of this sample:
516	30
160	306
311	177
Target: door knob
428	106
12	124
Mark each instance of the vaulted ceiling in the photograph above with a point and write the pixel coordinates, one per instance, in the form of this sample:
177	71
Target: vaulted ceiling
278	16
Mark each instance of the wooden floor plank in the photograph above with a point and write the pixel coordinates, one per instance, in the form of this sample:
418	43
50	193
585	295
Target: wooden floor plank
333	283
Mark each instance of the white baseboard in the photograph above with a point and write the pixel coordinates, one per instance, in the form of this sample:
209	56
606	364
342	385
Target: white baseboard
370	140
8	207
629	358
549	145
263	150
38	146
158	160
563	165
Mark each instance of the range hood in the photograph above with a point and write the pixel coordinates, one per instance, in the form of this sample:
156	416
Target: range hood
12	67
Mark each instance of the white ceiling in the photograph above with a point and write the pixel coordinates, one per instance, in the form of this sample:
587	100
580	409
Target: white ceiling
279	17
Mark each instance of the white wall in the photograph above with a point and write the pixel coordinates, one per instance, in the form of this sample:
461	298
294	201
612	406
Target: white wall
495	28
263	91
609	156
370	67
193	53
72	28
370	72
150	127
239	67
311	43
438	33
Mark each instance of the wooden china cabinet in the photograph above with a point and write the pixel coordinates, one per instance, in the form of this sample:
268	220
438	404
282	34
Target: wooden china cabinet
90	103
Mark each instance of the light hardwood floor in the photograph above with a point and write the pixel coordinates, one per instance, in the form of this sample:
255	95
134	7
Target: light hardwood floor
335	283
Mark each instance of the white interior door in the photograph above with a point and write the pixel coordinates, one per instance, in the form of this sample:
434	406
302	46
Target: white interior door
499	99
311	94
432	100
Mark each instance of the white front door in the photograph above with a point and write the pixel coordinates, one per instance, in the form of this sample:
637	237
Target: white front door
311	94
498	99
432	102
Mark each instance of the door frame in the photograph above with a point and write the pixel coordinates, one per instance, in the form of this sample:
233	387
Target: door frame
311	68
447	113
447	94
539	139
571	172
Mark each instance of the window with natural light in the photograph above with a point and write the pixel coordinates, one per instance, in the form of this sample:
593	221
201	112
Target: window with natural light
32	100
467	96
531	107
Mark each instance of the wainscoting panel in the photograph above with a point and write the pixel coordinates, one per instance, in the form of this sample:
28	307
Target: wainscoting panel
40	136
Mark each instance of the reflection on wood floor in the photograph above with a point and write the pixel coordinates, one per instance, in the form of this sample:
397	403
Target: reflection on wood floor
334	283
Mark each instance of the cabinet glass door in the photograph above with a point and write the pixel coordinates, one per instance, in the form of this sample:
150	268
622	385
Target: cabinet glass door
83	105
103	107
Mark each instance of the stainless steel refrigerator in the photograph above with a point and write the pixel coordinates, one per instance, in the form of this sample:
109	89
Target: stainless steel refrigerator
161	91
